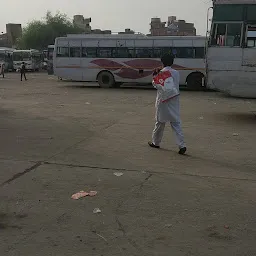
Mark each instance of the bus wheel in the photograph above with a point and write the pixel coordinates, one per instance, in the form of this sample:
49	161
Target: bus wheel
195	81
106	79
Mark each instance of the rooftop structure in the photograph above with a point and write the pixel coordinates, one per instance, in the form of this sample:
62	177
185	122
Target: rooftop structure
172	27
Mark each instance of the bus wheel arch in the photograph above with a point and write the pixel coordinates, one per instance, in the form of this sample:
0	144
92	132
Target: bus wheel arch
196	80
106	79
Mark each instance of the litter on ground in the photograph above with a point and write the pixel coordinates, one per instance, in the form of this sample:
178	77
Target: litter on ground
118	174
82	193
97	210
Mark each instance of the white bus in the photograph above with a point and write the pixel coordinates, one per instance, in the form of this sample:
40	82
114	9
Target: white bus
6	58
31	58
115	59
231	53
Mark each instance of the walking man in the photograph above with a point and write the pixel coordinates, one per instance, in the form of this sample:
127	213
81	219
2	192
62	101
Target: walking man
23	71
166	81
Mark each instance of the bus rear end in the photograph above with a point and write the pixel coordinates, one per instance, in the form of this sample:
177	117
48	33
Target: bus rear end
231	53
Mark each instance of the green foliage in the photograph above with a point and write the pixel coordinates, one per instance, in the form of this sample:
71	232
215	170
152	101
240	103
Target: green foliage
39	34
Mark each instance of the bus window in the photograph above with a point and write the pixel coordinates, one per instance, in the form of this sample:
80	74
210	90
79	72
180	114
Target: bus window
62	52
157	53
250	14
131	53
220	34
90	52
104	52
75	52
229	12
199	53
167	50
121	53
226	34
2	56
233	34
144	52
183	52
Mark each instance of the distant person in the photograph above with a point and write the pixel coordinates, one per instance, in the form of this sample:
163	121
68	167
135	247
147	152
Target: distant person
2	69
166	81
23	71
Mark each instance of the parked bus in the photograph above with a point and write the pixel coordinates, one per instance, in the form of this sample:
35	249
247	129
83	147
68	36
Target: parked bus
231	53
31	58
50	59
6	58
115	59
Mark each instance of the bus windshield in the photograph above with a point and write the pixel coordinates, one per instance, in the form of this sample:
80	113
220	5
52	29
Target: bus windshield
21	56
2	56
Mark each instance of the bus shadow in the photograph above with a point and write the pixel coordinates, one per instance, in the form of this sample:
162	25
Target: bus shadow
238	118
124	87
80	87
96	86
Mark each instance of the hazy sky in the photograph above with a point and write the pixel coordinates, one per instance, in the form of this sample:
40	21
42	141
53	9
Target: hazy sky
108	14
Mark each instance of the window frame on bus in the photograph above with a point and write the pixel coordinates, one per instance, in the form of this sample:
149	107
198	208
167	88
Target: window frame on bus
65	55
73	48
214	31
131	52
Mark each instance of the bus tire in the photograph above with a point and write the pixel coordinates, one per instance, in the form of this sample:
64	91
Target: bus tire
195	81
106	79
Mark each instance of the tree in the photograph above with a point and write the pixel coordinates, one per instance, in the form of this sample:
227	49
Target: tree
38	34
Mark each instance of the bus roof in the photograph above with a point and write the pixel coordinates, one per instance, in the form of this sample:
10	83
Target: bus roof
106	35
7	49
122	37
31	50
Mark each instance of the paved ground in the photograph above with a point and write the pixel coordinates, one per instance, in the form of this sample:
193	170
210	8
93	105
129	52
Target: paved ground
58	138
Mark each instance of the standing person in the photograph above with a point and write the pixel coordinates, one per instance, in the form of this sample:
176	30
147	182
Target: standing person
23	71
167	105
2	69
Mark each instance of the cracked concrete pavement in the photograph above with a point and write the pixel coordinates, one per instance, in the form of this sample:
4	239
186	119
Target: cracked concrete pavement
58	138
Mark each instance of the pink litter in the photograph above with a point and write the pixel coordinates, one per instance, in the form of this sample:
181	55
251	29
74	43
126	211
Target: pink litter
82	193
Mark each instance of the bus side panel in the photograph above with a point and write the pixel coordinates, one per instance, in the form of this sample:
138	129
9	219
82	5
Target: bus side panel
223	67
242	85
137	70
126	70
89	72
68	68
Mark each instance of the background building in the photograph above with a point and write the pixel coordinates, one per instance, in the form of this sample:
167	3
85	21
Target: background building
13	32
174	27
157	27
127	31
83	23
99	31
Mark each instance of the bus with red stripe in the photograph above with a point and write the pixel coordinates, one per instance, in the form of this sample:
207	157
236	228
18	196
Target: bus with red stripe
115	59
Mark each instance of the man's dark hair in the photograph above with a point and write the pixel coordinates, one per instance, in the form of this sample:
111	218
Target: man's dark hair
167	59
